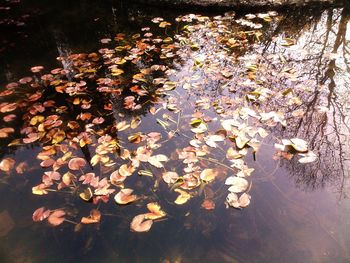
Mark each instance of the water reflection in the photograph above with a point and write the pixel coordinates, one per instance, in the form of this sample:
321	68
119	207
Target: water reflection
283	223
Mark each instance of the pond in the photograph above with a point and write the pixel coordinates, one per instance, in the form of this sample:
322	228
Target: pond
131	133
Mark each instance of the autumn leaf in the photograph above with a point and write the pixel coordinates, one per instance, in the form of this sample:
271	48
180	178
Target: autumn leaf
182	198
308	157
56	218
86	195
157	160
76	163
7	164
170	177
238	184
40	214
208	175
208	204
125	196
155	211
94	217
140	224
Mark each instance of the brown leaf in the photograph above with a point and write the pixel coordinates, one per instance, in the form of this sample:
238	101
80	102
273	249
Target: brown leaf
94	217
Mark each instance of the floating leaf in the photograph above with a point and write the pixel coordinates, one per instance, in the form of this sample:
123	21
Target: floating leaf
76	163
155	211
125	196
157	159
116	178
201	128
286	42
135	138
208	175
244	200
126	170
93	218
56	218
7	164
135	122
241	141
299	145
40	214
182	198
170	177
145	173
140	224
238	184
308	157
39	190
212	139
232	200
86	195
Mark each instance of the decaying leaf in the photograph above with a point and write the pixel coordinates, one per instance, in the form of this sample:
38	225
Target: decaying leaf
94	217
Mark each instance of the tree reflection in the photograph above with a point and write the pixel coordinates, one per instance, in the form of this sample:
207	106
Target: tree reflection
326	67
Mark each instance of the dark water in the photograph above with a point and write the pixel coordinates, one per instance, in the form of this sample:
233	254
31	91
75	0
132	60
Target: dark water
298	212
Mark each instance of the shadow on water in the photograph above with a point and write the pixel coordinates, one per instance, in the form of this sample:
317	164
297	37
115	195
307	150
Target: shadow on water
298	212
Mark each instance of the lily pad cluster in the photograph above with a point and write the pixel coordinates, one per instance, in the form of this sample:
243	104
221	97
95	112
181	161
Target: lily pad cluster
182	111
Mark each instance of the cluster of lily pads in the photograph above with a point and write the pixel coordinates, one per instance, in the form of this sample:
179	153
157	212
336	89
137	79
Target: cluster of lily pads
106	116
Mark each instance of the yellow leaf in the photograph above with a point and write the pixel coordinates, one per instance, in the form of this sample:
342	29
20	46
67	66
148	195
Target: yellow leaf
86	195
208	175
155	211
182	198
